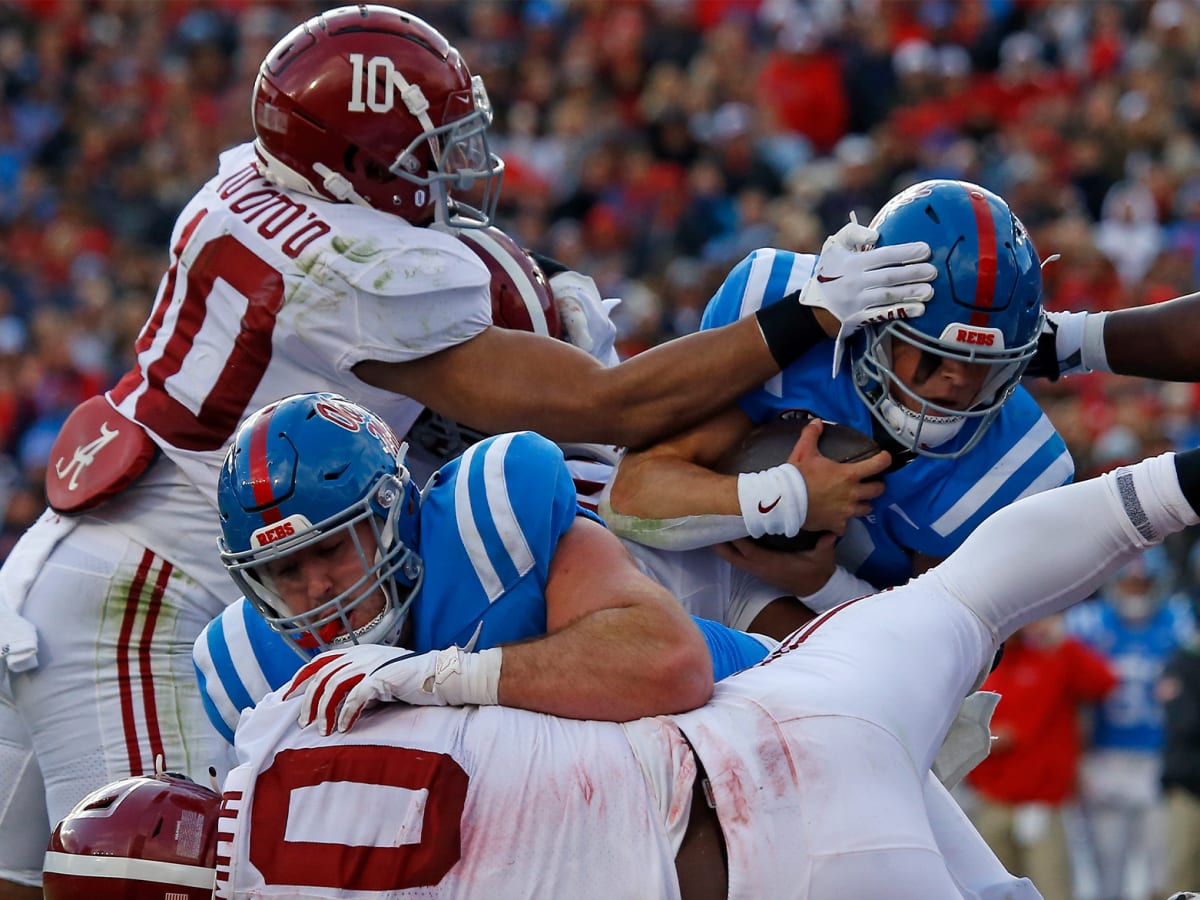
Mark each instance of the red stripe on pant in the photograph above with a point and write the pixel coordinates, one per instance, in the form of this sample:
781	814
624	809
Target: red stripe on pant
127	651
805	631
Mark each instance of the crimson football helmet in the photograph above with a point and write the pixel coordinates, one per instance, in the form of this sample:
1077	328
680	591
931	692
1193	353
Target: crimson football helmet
521	295
141	838
522	300
370	105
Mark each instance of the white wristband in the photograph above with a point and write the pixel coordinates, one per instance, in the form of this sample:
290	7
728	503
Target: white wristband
463	679
1092	355
774	501
842	585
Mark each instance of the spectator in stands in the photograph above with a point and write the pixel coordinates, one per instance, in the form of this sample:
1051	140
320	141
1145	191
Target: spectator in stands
1045	678
1136	624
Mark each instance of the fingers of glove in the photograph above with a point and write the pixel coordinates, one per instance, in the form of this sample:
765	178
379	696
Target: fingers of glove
914	294
898	254
854	236
308	670
318	688
357	700
331	701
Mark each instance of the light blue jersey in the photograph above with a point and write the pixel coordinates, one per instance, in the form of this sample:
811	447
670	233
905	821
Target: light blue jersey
930	505
489	523
1131	716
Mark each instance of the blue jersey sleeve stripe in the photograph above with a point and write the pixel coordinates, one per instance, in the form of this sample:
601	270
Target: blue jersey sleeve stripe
224	666
992	481
276	659
217	706
728	297
218	722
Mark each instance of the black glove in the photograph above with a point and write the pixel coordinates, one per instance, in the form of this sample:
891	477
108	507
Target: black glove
1045	359
550	266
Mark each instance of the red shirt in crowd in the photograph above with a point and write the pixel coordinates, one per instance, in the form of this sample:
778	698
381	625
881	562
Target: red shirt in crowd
1042	688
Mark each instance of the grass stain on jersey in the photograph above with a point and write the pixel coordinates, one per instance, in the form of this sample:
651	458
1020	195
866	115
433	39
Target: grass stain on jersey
356	251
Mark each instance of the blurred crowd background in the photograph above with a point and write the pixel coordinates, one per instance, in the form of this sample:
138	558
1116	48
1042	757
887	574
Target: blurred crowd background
649	143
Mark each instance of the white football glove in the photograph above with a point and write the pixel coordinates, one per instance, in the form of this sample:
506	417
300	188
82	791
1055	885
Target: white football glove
18	641
859	283
343	683
585	316
969	740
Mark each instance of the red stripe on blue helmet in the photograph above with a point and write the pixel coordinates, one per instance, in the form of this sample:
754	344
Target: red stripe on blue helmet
985	278
260	473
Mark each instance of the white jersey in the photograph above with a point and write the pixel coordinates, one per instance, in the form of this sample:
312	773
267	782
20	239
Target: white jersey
270	293
483	802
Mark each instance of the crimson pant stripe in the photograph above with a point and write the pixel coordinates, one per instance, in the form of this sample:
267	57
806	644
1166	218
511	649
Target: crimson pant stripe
154	733
124	679
804	632
260	475
985	283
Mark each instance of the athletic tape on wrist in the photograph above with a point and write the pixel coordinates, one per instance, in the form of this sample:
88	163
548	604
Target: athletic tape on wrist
789	329
774	501
481	677
1093	355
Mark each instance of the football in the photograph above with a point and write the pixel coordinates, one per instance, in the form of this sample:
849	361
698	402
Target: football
771	443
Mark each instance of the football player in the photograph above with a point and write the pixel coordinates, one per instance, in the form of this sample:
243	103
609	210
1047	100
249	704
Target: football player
322	255
801	777
325	533
940	392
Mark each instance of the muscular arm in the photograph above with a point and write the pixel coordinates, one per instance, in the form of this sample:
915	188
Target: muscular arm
674	478
505	380
1156	341
618	646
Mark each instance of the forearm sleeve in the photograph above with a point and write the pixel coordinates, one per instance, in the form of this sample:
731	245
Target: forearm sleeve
679	533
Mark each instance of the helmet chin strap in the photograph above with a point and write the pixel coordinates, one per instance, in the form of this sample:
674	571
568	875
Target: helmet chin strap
334	183
914	429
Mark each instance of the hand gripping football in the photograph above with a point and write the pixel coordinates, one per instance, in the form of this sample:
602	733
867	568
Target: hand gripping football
771	443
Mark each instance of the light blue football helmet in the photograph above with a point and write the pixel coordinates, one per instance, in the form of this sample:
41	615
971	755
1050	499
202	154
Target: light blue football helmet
986	308
303	469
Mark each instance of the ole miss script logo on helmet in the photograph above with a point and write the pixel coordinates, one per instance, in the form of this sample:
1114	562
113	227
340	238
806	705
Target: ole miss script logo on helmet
352	418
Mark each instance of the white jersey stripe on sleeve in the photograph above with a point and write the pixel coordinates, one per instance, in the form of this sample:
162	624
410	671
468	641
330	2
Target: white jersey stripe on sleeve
756	283
1054	475
214	683
241	651
469	532
500	506
994	479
